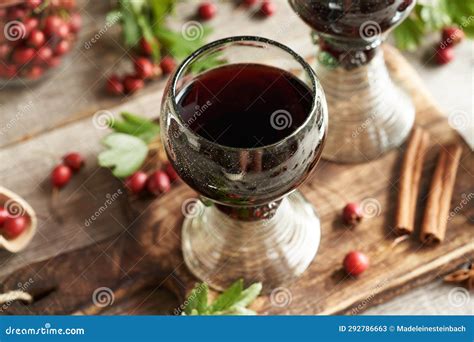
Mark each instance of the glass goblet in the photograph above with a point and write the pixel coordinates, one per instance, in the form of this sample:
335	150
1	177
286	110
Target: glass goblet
370	114
249	222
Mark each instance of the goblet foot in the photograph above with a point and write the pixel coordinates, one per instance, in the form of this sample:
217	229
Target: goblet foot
219	249
369	113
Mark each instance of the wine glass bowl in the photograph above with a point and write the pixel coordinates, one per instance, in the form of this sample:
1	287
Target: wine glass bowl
245	168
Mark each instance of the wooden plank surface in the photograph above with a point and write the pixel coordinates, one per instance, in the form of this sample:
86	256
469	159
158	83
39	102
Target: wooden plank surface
147	254
69	98
27	114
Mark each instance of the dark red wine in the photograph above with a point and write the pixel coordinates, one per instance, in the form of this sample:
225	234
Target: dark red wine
344	18
245	105
351	30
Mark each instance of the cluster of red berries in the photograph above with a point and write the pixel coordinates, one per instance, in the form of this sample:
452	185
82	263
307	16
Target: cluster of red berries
62	173
34	39
11	226
355	262
144	69
450	36
156	183
207	10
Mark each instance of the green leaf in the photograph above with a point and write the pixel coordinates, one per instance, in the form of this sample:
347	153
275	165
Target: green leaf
197	300
233	301
433	18
176	43
429	17
160	10
241	311
136	5
409	35
113	16
228	298
207	63
130	28
248	296
135	125
125	155
147	33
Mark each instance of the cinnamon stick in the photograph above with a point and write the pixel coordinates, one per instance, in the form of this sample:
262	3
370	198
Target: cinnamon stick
412	167
435	220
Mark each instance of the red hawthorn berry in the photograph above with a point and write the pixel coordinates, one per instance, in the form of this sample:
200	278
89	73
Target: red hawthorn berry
355	263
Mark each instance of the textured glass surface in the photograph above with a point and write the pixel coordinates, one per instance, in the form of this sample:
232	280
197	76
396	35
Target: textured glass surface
248	227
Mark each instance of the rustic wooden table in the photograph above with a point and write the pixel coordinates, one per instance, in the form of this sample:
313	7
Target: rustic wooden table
41	123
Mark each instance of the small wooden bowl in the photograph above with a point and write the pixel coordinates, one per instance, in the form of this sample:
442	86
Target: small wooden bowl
17	206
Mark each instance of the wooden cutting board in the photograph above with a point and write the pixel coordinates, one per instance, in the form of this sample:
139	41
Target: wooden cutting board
148	256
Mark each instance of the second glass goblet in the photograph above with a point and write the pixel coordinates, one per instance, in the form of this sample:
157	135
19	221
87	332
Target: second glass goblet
370	114
244	133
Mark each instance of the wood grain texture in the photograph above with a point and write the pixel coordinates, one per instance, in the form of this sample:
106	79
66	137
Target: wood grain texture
39	124
54	117
75	90
145	256
324	288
